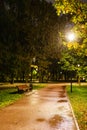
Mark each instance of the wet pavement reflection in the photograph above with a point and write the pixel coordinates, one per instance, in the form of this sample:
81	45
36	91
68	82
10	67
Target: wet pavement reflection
45	109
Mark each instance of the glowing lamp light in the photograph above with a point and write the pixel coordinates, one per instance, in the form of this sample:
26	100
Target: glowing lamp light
70	36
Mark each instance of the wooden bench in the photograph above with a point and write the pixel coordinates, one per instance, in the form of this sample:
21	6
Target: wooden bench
22	88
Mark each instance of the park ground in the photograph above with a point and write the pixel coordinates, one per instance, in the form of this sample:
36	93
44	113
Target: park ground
51	98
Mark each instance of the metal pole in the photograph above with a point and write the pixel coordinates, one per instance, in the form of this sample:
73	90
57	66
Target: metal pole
71	82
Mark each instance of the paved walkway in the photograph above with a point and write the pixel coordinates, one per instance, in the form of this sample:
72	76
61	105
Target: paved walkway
45	109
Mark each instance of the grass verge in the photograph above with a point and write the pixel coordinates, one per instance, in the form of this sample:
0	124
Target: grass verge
78	99
10	95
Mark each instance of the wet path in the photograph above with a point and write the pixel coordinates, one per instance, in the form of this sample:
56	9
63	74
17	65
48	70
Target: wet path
46	109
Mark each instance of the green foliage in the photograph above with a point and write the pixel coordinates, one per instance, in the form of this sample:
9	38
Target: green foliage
73	60
78	9
78	15
76	53
68	62
78	100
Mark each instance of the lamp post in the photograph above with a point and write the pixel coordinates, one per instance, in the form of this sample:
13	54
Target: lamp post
70	37
78	74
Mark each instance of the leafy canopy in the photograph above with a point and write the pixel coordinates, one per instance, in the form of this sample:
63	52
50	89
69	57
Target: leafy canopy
77	51
77	8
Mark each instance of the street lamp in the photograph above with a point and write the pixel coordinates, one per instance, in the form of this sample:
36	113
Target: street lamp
70	37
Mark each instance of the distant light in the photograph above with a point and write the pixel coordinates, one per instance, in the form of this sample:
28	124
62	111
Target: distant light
78	65
70	36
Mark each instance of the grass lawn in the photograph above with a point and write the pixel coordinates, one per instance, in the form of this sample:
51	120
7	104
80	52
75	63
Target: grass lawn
78	99
10	95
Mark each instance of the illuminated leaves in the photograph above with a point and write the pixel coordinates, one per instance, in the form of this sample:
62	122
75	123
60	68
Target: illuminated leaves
76	50
78	11
74	7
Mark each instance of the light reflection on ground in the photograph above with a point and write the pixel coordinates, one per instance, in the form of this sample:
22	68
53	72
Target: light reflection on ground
45	109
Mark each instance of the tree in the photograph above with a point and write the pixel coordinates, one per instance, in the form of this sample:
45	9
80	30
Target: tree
77	12
29	29
26	32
